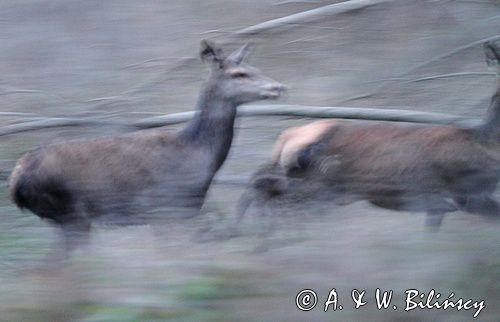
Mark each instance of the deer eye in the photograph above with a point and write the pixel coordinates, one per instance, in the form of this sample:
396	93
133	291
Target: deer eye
239	75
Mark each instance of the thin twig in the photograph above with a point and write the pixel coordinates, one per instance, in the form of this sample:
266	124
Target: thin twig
7	90
451	76
452	52
295	2
427	62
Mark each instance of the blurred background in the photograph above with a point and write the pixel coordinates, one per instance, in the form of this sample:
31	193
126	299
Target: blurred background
125	60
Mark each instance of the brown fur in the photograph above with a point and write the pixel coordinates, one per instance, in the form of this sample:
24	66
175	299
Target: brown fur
374	157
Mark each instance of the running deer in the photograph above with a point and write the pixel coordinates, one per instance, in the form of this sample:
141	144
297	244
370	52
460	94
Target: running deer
399	166
76	183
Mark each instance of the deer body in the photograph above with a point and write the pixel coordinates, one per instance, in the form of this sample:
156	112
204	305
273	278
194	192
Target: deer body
116	176
121	178
431	168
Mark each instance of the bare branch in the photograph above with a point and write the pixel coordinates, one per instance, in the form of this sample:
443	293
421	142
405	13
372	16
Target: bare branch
9	114
50	123
309	16
397	115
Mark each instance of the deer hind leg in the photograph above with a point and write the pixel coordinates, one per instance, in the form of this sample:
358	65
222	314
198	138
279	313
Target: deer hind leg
437	207
473	191
56	203
434	219
246	200
75	228
72	236
75	234
244	203
435	213
483	205
266	185
271	188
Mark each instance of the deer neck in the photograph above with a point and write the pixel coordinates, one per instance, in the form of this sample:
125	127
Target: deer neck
491	126
212	126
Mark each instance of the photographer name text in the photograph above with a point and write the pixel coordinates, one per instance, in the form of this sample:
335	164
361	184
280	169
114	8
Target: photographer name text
307	299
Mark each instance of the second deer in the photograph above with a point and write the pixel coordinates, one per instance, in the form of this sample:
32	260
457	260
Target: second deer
419	167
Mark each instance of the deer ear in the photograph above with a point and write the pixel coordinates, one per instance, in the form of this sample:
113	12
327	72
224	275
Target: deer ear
210	53
238	55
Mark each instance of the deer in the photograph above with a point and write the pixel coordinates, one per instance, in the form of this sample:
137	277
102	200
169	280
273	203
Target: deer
429	168
74	184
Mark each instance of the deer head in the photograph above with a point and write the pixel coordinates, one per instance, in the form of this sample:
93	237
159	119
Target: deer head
235	80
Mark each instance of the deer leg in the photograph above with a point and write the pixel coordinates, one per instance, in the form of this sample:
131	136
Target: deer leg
483	205
211	215
268	220
266	227
437	207
244	203
213	227
75	234
434	219
262	189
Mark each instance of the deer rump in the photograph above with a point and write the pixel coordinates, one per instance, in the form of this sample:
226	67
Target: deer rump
392	165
